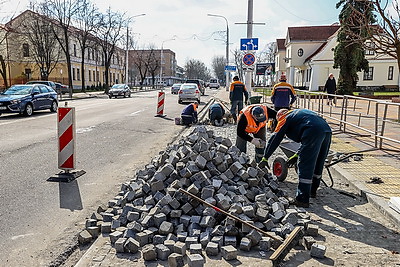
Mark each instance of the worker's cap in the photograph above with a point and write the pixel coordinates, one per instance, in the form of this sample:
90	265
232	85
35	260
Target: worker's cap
258	114
283	77
281	113
236	78
330	74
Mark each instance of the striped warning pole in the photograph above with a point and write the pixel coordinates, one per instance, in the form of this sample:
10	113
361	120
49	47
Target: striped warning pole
66	138
160	104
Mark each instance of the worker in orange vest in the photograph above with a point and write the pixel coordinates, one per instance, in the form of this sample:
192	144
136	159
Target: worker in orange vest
251	128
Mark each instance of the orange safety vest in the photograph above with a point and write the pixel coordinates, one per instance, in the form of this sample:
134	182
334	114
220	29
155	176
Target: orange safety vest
252	126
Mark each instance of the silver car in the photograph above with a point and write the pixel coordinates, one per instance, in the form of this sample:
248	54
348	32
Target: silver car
188	92
119	90
175	88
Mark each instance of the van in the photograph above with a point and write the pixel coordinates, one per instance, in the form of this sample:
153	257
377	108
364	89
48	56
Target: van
213	83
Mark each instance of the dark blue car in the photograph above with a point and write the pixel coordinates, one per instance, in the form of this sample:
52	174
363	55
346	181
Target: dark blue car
27	98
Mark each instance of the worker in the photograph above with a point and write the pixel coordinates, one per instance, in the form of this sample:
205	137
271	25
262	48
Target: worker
251	127
237	91
283	94
314	135
216	114
189	114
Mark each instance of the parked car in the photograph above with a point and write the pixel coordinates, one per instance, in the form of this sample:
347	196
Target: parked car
214	83
200	84
27	98
175	88
48	83
62	88
119	89
188	92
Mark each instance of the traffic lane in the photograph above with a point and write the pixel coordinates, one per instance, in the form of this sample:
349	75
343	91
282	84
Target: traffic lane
113	140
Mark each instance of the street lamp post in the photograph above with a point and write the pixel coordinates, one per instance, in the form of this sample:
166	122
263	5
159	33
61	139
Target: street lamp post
227	76
162	62
127	47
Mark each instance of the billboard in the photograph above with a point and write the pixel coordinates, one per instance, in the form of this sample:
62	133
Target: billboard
265	68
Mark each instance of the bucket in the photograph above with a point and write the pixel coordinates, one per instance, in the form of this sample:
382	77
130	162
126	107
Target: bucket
255	99
177	121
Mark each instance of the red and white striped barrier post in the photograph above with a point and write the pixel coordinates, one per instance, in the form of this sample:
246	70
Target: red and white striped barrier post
160	104
66	138
66	145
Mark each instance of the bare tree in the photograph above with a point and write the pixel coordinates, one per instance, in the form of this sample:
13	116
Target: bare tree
238	57
87	21
110	34
196	69
153	62
3	67
38	32
62	11
218	66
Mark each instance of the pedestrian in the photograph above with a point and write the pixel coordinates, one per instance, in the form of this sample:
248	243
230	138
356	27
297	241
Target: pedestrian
330	88
283	94
237	91
314	135
216	114
251	127
189	114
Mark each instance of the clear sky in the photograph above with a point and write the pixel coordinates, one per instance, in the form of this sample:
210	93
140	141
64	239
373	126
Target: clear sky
196	34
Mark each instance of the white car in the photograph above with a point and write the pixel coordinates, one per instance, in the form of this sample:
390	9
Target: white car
188	92
213	83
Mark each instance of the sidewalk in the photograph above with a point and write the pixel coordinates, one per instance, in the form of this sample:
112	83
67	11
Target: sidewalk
334	213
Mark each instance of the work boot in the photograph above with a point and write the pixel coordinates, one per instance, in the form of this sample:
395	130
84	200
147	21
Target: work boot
300	204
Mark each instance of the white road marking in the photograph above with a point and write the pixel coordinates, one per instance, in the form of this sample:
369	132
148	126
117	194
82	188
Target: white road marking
137	112
21	236
85	130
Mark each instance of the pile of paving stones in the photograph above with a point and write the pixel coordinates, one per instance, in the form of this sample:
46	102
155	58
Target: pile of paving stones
149	214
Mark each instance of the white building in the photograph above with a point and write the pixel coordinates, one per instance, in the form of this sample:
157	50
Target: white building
308	60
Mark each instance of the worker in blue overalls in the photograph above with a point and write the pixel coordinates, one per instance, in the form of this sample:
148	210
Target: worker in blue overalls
314	134
189	114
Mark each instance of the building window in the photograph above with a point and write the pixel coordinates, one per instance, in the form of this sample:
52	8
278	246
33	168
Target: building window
369	48
369	75
74	50
300	52
90	75
73	74
28	73
78	74
25	48
97	76
390	73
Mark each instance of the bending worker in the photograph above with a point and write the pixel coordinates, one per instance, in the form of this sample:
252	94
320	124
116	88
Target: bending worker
283	94
253	120
313	132
189	114
237	90
216	114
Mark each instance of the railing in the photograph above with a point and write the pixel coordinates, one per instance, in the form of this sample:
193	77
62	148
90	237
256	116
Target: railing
378	119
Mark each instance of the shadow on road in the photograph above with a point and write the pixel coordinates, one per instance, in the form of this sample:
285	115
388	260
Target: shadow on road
70	197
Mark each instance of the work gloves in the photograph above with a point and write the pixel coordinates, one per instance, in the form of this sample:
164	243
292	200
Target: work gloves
258	142
263	163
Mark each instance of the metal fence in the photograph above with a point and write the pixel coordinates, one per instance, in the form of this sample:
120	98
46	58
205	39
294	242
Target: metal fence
377	120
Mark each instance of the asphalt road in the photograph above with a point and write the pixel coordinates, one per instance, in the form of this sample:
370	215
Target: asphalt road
115	137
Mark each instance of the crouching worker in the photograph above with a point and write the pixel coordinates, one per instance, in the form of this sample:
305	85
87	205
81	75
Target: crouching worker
216	114
189	114
251	128
314	134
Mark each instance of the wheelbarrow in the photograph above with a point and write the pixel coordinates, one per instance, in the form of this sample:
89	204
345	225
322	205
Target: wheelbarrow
281	165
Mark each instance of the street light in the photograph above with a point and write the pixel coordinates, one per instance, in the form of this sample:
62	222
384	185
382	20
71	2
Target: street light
227	48
127	46
161	62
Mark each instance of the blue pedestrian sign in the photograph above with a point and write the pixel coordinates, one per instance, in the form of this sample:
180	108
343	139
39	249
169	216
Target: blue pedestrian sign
249	59
249	44
230	68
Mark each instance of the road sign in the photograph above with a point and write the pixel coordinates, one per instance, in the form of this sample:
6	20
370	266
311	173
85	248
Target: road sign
249	59
230	68
249	44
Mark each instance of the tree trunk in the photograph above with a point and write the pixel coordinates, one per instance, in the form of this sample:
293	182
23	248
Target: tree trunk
83	71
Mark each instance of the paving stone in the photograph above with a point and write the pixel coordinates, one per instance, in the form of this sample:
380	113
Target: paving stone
149	252
207	221
159	239
312	230
212	249
133	216
84	237
245	244
106	227
94	231
317	251
169	243
265	244
120	245
175	213
308	241
181	235
180	248
230	240
229	253
142	238
162	252
191	240
175	260
132	245
115	236
195	260
195	249
219	240
159	218
254	236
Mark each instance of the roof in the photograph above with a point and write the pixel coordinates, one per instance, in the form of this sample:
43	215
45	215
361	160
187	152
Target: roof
316	51
311	33
281	44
